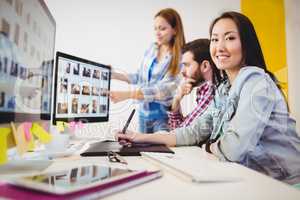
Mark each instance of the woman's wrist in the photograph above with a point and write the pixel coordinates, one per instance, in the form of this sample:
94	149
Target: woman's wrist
135	94
139	137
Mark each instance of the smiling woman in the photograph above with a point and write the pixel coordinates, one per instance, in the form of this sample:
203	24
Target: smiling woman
253	127
226	47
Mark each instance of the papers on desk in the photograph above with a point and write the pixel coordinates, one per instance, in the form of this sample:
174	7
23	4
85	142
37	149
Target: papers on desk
16	168
197	169
37	160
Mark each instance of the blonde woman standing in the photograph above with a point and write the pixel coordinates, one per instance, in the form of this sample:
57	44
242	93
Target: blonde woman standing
157	76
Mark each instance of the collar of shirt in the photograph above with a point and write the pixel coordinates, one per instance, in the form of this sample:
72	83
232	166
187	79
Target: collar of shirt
159	72
156	48
203	90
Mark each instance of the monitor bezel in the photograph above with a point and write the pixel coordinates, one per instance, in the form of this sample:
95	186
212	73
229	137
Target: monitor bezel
6	117
83	119
47	115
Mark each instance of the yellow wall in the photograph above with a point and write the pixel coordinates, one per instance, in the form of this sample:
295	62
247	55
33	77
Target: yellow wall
268	18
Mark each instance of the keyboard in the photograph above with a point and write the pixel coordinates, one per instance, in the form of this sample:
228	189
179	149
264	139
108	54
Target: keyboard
202	170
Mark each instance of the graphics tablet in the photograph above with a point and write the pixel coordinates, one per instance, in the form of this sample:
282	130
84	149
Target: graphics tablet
101	149
79	179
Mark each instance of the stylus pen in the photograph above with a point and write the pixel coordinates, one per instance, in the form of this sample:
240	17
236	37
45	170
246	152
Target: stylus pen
128	121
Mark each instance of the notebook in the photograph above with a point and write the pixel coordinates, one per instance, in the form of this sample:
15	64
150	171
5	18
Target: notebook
101	149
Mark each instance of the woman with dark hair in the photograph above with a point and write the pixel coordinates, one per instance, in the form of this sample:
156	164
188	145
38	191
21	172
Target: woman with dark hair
255	128
248	121
157	75
252	52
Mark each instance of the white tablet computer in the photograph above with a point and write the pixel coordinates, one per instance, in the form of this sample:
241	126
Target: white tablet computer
83	178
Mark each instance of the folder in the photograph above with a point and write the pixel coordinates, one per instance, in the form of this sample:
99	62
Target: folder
14	192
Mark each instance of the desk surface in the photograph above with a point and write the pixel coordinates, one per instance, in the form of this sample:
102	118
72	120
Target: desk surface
171	186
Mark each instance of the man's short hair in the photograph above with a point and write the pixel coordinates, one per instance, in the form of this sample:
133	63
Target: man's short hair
200	50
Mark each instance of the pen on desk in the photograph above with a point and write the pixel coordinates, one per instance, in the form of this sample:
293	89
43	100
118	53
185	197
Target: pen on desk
128	121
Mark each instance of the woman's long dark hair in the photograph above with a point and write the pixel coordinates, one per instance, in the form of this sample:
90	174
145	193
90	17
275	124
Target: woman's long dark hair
252	53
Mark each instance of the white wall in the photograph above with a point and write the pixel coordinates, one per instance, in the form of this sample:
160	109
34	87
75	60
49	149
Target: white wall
293	56
117	32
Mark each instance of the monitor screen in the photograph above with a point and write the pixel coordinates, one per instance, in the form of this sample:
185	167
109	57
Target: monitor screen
81	90
27	41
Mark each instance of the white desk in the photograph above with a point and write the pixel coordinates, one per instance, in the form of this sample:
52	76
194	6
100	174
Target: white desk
252	186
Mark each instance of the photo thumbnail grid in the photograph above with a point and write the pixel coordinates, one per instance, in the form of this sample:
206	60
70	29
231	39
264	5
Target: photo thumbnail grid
82	89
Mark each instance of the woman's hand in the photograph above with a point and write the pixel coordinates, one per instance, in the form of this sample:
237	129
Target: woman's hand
128	138
210	156
118	96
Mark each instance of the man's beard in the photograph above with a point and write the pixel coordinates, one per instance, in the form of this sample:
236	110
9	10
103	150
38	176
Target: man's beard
199	79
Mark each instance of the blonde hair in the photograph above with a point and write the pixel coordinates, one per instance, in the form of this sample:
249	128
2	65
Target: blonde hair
173	18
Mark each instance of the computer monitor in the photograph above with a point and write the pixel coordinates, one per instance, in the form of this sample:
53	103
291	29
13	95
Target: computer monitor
27	41
80	90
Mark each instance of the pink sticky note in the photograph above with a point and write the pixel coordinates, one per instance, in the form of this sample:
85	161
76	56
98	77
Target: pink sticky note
75	125
72	126
27	126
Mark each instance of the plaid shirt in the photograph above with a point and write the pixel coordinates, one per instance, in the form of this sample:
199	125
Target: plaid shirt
203	99
159	88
